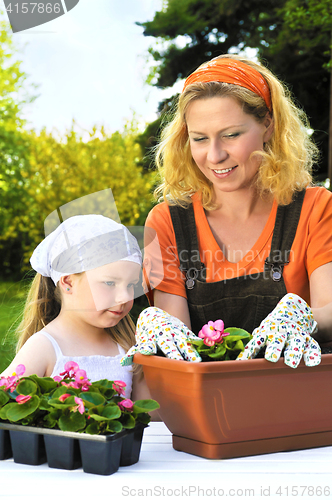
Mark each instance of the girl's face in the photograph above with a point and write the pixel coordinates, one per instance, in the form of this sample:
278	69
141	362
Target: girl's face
222	138
105	295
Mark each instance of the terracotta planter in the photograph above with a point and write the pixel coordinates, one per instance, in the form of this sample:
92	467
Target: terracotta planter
229	409
70	450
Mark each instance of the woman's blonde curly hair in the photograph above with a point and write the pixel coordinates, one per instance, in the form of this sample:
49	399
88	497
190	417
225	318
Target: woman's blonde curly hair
287	158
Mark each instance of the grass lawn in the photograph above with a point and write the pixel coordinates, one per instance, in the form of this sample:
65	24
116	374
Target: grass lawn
12	296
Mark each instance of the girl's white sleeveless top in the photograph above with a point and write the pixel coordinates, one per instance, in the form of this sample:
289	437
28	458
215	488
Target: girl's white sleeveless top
97	367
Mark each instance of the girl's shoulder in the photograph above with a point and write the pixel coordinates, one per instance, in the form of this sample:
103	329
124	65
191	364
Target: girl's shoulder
36	354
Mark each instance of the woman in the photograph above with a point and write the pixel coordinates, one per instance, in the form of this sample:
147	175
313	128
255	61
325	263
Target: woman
241	226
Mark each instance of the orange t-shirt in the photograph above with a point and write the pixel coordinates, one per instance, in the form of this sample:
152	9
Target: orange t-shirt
312	247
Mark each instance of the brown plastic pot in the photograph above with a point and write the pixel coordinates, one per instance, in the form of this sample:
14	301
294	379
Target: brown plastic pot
225	409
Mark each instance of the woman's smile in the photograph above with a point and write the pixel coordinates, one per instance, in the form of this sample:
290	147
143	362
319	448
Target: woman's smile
222	173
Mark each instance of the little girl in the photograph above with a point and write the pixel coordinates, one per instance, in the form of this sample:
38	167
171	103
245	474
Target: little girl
77	308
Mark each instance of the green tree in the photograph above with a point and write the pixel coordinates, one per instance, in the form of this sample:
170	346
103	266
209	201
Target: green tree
13	141
189	32
58	171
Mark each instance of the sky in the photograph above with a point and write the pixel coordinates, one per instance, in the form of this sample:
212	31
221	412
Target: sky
90	65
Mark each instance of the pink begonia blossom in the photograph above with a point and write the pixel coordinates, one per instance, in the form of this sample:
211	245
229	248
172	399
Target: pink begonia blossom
126	404
73	371
79	407
82	381
57	378
70	369
21	399
63	397
20	370
119	387
85	386
73	385
213	332
12	381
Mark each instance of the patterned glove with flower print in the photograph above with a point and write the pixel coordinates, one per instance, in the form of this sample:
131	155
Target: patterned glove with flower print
156	328
289	325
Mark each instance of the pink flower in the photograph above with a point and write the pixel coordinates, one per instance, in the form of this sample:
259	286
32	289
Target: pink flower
11	382
70	384
126	404
20	369
118	386
213	332
70	369
81	380
80	376
21	399
3	381
79	407
57	378
64	397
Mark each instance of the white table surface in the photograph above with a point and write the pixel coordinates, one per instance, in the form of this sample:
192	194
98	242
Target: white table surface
163	473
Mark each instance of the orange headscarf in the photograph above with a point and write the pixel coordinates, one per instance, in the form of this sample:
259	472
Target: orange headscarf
232	71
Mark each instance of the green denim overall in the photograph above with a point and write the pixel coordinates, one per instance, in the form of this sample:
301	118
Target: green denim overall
243	301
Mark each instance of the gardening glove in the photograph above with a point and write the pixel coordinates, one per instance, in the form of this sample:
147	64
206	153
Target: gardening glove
156	328
289	325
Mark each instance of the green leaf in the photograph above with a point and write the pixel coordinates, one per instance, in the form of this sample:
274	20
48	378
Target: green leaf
218	355
105	413
198	343
111	411
65	390
114	426
128	421
44	404
51	419
238	346
17	412
4	398
105	388
92	399
237	332
62	405
4	409
144	418
46	384
27	387
93	428
97	417
72	422
145	405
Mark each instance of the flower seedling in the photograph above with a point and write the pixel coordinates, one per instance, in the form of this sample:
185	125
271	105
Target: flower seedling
70	402
219	344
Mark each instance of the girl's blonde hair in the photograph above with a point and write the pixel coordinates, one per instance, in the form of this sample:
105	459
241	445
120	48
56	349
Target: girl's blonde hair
43	304
287	158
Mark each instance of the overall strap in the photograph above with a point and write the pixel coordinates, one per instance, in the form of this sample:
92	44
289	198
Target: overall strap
285	227
184	225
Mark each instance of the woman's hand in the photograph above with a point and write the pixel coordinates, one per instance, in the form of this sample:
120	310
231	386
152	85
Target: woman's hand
158	329
289	325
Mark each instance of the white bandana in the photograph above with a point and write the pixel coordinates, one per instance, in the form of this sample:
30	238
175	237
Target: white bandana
82	243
